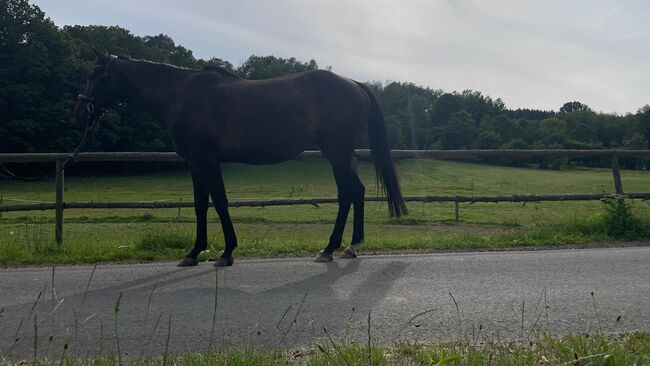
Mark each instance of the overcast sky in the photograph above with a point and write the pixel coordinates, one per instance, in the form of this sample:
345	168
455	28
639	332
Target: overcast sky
535	54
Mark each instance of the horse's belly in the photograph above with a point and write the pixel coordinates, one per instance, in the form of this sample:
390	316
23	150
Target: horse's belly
256	156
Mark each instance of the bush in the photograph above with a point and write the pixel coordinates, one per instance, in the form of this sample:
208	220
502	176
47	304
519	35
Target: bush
619	221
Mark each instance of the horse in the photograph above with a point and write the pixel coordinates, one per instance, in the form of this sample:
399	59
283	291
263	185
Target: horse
214	116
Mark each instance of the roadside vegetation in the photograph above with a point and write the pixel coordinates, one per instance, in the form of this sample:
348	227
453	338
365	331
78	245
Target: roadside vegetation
632	349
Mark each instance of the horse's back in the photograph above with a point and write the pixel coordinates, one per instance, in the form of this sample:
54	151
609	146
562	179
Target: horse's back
271	120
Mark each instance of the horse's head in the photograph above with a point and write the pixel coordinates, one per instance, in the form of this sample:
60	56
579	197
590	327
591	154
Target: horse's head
101	90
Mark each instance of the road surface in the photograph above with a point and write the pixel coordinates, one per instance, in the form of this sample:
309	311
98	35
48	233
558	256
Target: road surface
288	302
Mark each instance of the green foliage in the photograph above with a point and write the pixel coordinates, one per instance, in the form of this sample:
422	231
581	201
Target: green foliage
643	124
36	64
488	140
459	132
575	106
42	68
263	67
571	349
619	220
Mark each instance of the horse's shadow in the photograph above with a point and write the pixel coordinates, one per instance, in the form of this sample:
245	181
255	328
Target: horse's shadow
334	299
260	314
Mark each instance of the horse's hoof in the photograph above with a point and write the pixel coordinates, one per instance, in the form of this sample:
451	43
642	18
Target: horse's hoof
224	262
349	253
323	257
188	262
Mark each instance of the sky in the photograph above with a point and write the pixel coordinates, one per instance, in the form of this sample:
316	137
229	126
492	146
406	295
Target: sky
531	54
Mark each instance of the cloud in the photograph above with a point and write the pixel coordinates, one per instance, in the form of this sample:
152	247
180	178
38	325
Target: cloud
536	54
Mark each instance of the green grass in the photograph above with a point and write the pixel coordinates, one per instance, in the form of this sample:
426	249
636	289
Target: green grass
633	349
166	234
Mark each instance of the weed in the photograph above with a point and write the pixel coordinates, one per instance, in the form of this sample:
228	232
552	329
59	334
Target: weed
619	220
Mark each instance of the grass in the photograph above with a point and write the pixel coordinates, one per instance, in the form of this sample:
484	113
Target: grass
632	349
166	234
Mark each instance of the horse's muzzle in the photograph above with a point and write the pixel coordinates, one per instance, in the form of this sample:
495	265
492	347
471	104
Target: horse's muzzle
84	109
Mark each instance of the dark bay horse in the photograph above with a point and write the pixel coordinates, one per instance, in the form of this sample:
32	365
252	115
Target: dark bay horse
214	116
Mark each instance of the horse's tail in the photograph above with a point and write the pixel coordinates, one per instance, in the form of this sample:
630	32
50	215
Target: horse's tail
380	151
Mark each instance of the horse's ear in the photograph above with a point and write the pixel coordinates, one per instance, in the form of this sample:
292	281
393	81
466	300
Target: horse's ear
100	55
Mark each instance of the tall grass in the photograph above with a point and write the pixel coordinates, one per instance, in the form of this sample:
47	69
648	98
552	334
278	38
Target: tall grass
633	349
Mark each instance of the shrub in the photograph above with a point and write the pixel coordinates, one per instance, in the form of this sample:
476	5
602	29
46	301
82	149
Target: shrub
619	221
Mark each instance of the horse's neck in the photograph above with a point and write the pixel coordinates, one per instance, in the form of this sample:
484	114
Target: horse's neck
152	86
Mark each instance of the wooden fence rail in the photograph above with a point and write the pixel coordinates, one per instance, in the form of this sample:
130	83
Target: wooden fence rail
60	205
362	153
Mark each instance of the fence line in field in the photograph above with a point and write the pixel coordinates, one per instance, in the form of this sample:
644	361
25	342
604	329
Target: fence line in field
362	153
59	205
317	201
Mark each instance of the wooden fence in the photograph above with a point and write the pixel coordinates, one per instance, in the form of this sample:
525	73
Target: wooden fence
59	205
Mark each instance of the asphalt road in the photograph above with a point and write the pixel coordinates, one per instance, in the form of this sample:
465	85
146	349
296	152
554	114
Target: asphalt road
289	302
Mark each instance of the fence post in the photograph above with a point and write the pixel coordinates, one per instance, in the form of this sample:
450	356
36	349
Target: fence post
58	207
616	171
457	212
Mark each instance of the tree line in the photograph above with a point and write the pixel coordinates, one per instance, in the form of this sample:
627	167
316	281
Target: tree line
43	67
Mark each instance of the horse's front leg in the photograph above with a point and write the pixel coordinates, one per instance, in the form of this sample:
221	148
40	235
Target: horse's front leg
201	204
217	190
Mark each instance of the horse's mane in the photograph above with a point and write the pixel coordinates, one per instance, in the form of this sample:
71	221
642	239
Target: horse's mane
209	68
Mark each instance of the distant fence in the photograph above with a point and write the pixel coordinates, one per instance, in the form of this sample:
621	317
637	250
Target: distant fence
59	205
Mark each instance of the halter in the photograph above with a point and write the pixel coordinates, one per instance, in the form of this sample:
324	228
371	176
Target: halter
91	125
90	101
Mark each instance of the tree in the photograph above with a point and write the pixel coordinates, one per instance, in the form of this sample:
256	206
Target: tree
575	106
216	62
446	105
459	132
581	127
488	140
411	105
395	133
35	68
502	126
529	114
480	106
263	67
636	142
169	52
643	126
552	133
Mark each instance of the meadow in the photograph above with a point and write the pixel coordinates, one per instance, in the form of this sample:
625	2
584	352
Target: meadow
166	234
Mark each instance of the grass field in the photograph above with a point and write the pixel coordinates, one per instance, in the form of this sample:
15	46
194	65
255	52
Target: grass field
137	235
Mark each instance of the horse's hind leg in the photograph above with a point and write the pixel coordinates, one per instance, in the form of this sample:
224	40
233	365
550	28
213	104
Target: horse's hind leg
349	188
220	201
358	198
